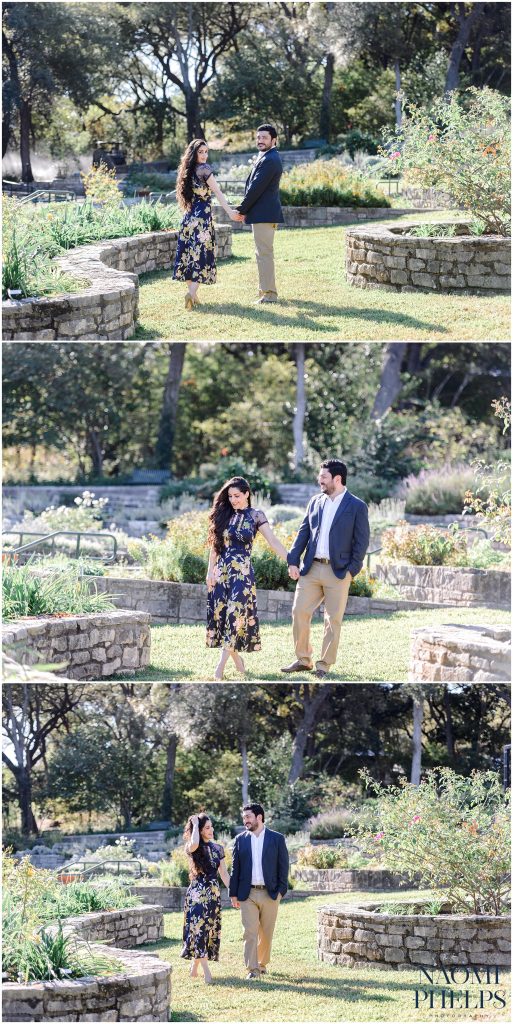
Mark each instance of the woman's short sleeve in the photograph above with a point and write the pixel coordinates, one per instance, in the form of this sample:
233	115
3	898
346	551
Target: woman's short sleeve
203	171
259	517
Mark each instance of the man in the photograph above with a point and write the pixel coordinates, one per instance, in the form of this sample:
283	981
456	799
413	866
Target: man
335	533
258	882
261	208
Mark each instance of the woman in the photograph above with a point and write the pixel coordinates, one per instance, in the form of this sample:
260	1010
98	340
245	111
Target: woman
195	261
232	621
202	911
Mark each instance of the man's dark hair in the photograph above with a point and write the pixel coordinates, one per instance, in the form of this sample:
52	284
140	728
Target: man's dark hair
255	809
336	468
268	128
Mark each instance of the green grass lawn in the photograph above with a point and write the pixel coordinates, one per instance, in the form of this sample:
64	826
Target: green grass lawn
372	648
298	987
316	302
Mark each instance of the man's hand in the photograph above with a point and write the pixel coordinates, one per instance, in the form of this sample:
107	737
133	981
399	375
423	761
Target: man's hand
293	572
238	217
235	903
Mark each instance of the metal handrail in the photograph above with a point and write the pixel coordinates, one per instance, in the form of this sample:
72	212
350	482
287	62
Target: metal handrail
50	193
468	529
96	867
42	537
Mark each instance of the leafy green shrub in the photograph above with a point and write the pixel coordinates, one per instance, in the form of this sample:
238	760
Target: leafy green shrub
450	832
175	871
333	824
328	183
66	591
271	572
322	857
489	498
363	585
461	147
231	465
423	545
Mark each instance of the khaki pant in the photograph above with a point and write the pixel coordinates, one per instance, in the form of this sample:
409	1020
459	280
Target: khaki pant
263	235
319	584
258	915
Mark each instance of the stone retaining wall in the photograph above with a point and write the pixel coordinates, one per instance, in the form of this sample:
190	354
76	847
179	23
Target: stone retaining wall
107	308
472	654
131	926
320	216
141	992
345	880
428	198
383	257
92	646
356	936
170	897
445	584
185	603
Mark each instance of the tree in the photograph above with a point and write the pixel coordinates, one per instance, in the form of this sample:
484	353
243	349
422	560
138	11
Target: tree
32	713
467	17
166	434
300	408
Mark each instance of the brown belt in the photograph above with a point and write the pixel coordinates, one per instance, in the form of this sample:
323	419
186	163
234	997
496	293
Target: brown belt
324	561
258	886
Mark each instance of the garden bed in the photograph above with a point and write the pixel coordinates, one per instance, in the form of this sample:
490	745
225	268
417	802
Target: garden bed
443	584
390	259
350	880
358	935
141	992
84	646
450	653
108	308
132	926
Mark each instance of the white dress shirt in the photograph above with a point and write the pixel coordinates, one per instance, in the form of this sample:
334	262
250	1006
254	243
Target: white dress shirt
329	510
257	846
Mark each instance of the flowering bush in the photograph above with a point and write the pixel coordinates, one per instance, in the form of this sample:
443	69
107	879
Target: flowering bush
490	499
321	857
328	183
450	832
101	184
423	545
86	513
462	147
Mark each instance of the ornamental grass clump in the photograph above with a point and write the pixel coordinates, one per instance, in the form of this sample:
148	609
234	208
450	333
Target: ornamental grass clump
26	592
450	833
329	183
462	147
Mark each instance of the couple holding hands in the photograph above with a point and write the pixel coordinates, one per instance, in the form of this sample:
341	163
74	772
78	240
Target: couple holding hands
258	882
195	261
332	538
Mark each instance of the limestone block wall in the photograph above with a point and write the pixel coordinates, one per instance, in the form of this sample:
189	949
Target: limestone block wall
131	926
107	307
141	991
321	216
356	935
170	897
460	654
445	584
384	257
345	880
89	646
186	602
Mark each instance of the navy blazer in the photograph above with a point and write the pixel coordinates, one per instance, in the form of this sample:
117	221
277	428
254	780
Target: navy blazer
261	203
348	540
275	865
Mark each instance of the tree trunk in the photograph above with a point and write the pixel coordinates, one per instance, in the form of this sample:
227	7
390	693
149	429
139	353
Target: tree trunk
312	708
165	440
325	115
169	778
449	734
24	784
390	383
416	760
194	129
26	167
466	25
95	452
398	97
245	770
299	413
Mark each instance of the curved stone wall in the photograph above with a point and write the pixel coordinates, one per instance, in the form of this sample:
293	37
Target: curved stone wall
357	935
108	307
321	216
140	992
472	654
345	880
125	928
384	257
91	646
444	584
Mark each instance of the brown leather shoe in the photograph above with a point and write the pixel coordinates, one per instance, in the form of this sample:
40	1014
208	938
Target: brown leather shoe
321	673
297	666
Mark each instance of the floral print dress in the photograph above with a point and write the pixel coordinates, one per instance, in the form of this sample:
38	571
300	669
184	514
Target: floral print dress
196	249
202	911
232	619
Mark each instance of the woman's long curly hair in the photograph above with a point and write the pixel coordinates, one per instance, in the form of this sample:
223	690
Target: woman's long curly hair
200	859
222	511
184	193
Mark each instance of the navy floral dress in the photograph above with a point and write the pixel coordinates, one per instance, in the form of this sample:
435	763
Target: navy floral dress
232	619
196	249
202	911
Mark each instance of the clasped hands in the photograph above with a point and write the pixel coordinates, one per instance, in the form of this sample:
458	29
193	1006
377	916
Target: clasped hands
240	217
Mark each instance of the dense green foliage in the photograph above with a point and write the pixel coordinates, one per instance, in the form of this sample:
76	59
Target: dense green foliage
328	184
29	591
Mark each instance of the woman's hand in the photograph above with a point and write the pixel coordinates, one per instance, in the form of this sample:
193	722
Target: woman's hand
235	215
211	580
195	820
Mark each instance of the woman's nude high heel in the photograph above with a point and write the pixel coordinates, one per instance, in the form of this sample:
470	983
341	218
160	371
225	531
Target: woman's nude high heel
189	301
